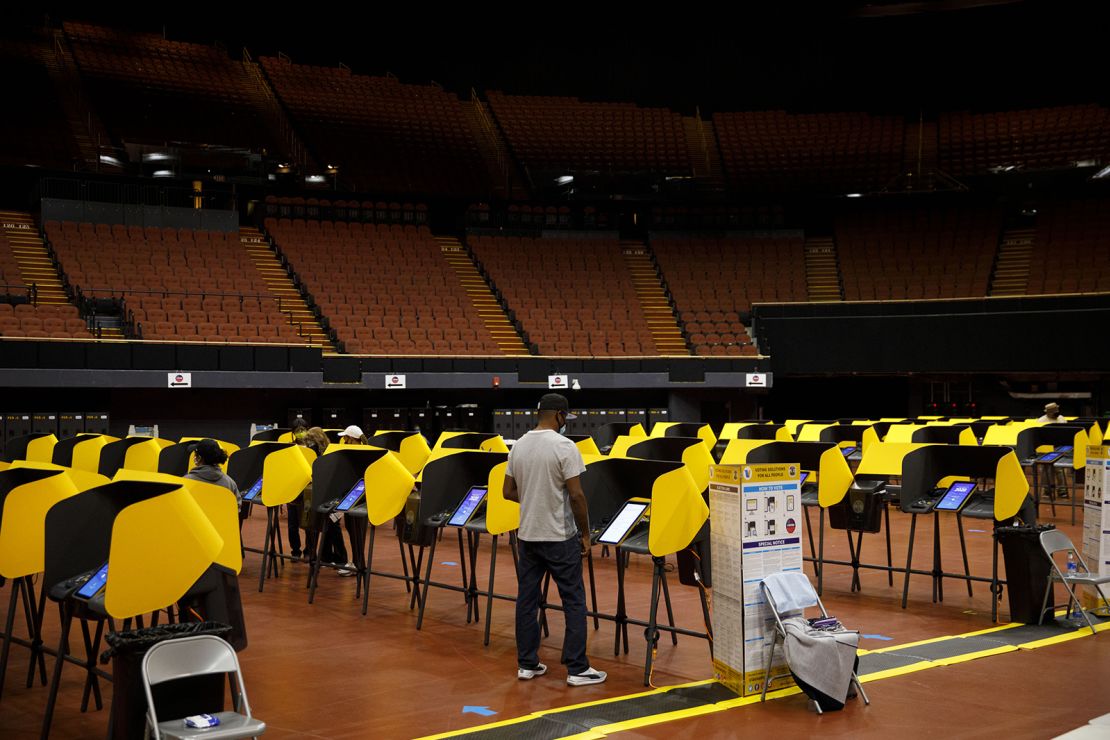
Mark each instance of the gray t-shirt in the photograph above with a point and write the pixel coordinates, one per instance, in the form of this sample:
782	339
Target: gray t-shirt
541	462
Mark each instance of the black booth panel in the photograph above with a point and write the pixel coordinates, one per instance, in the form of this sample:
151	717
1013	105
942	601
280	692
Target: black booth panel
334	474
608	484
79	528
245	466
113	455
663	448
176	459
445	481
467	441
923	468
759	431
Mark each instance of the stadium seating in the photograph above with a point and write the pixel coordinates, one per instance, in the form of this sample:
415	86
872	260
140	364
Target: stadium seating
1042	138
1071	253
381	134
148	89
181	285
385	289
559	134
715	281
573	296
826	152
917	252
55	322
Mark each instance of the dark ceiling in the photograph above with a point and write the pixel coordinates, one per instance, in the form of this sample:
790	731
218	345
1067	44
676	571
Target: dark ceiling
886	56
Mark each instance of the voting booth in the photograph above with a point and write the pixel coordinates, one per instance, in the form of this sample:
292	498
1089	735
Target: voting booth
160	539
648	507
367	487
34	447
270	474
447	483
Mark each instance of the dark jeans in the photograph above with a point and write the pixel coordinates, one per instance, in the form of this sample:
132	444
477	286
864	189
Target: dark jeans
294	509
334	549
563	560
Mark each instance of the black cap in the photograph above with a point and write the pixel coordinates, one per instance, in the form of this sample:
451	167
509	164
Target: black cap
555	402
210	451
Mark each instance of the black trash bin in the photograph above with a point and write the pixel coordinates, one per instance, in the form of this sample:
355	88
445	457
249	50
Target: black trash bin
179	698
1027	569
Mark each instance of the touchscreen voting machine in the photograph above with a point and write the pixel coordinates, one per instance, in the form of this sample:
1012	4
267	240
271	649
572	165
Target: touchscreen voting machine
956	496
92	586
353	496
631	514
253	491
466	509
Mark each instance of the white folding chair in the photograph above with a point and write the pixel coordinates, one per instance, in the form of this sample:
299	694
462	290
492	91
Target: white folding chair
200	655
1054	541
789	594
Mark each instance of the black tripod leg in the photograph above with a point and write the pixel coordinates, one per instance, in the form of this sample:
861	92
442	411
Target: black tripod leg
593	586
56	678
489	596
427	583
963	550
889	560
667	604
909	560
370	562
651	634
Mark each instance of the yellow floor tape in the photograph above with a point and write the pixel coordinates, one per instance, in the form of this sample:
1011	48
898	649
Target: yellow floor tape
602	731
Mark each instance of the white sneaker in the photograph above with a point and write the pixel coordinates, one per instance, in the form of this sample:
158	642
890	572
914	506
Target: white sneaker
348	570
527	674
591	676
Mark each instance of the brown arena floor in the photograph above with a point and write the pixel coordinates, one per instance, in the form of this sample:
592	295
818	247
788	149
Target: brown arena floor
323	670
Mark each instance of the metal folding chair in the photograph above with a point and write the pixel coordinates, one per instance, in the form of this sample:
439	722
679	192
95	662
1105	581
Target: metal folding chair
1054	541
200	655
796	582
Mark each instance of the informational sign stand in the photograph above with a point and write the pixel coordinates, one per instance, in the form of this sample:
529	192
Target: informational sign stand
1096	520
756	524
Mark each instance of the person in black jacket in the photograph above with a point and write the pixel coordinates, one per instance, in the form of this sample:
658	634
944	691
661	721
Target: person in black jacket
208	456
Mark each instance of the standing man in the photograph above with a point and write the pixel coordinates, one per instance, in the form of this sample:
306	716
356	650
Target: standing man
543	476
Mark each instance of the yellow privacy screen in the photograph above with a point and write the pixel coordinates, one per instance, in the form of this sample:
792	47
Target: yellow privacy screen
160	547
30	494
388	484
285	473
218	503
501	515
677	511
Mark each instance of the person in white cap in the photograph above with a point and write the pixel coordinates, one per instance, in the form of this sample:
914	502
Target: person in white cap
353	435
1052	414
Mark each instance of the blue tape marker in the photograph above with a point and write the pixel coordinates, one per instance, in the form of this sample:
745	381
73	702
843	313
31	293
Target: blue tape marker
483	711
448	562
977	531
878	637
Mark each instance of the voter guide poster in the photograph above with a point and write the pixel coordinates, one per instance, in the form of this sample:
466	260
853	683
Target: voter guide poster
1096	519
756	526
